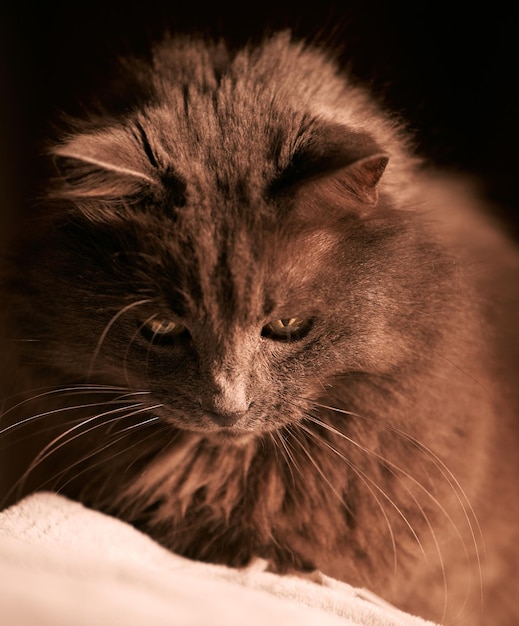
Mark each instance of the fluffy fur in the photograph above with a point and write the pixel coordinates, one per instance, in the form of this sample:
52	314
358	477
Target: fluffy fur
373	434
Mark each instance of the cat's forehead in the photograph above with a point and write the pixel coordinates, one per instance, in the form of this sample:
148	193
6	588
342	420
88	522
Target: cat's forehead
243	276
223	116
211	132
237	148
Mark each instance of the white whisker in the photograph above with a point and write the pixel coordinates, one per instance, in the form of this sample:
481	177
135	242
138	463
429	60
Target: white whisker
76	389
65	439
50	412
121	435
450	478
107	328
453	483
394	471
134	336
463	500
367	481
288	456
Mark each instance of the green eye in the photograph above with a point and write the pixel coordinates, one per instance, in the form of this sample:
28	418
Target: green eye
162	330
287	329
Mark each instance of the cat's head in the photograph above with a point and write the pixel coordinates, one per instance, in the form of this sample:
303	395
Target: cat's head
225	246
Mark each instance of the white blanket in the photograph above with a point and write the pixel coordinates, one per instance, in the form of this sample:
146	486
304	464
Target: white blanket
62	564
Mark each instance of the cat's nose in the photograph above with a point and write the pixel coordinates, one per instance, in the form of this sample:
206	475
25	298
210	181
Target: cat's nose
224	400
224	418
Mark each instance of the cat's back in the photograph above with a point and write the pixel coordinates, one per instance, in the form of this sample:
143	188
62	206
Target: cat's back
467	225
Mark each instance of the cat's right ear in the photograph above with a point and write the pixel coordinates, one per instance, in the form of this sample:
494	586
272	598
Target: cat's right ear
352	188
360	178
337	165
105	165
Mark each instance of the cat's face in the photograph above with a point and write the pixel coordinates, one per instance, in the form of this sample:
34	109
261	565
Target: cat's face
223	252
231	323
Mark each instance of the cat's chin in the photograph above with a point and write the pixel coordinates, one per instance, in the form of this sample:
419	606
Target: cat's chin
231	436
221	435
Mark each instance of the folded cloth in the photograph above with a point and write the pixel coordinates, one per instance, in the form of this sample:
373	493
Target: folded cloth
62	564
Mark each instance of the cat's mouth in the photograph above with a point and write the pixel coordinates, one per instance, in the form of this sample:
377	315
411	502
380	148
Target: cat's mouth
207	426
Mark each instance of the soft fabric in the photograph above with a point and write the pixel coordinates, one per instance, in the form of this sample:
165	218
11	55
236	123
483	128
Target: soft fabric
62	564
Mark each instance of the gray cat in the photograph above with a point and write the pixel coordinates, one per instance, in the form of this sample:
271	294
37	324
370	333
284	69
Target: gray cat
245	319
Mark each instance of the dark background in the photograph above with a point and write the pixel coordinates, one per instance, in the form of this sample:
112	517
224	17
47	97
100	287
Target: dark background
450	71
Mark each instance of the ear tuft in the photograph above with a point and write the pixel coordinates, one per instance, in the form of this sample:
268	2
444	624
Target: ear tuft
105	165
335	158
361	178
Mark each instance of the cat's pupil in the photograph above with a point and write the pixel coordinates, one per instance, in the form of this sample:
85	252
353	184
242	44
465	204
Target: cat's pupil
287	329
164	327
289	323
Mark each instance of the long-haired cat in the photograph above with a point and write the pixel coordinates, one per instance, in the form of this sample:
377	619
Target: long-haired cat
246	320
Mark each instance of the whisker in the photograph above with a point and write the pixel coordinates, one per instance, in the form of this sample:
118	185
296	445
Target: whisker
451	480
441	466
366	480
107	328
319	470
287	455
82	388
463	500
65	409
453	364
387	463
393	468
45	427
24	340
132	339
448	475
121	435
62	440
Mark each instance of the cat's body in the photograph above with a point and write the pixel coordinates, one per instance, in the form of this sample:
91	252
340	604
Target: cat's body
236	324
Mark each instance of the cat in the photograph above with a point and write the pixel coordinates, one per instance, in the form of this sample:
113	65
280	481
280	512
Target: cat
246	319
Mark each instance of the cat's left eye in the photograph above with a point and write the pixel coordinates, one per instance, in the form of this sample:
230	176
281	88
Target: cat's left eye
287	329
162	330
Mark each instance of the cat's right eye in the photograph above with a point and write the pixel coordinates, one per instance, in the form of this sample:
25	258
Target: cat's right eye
162	330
